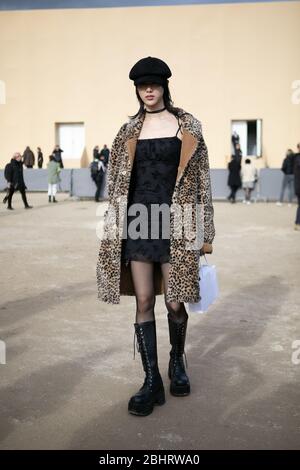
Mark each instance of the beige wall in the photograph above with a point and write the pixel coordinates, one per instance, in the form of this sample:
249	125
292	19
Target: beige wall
230	61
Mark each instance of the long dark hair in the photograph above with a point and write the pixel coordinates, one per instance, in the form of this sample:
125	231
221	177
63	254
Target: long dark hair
168	102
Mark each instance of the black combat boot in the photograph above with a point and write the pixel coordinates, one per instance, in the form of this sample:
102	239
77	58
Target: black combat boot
54	200
49	198
180	384
26	205
152	392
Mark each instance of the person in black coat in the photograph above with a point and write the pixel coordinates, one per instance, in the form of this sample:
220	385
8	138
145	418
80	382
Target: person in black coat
28	157
288	176
98	169
57	155
238	153
234	177
96	153
297	185
235	139
15	180
40	157
105	154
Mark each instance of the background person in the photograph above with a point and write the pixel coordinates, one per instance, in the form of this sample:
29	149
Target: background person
57	151
28	158
14	175
40	158
234	177
105	153
249	178
98	169
96	153
288	177
53	178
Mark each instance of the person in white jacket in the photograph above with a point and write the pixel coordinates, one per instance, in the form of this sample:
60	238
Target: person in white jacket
249	178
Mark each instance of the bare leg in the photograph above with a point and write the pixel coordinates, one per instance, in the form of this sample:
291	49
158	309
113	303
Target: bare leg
248	194
176	310
142	276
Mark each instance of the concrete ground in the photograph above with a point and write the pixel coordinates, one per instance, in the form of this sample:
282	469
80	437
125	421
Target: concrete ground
69	368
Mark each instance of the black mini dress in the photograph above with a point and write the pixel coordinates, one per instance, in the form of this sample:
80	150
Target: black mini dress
153	178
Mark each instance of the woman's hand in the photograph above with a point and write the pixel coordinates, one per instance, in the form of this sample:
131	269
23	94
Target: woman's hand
206	248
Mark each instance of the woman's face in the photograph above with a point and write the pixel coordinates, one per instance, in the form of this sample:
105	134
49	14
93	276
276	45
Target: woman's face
151	93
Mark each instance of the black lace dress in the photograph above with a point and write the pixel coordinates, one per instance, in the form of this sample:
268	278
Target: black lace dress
153	178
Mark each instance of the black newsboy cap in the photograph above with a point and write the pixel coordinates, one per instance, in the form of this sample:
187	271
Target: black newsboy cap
150	70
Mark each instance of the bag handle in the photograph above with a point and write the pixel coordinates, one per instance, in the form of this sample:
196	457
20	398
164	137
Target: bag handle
204	258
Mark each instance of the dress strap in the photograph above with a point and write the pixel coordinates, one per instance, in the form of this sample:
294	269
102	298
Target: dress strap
180	125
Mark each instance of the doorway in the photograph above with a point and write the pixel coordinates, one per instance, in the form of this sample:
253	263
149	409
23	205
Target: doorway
247	134
71	139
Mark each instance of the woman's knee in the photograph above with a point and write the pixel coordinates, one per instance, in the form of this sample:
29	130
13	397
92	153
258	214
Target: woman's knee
175	308
145	303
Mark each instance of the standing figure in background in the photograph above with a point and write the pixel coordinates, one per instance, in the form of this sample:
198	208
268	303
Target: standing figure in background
235	139
28	157
105	153
96	153
14	175
238	153
57	155
297	185
249	178
53	178
288	177
234	177
98	169
40	158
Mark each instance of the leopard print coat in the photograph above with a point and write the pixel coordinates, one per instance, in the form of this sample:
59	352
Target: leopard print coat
193	187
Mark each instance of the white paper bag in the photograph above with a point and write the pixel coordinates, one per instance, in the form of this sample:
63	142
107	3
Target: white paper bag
209	289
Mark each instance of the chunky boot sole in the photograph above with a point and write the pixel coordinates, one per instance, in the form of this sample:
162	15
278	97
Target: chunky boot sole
179	390
146	409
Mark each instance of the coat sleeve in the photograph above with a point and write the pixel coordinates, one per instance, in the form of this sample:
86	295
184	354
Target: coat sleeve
284	166
8	172
112	167
205	193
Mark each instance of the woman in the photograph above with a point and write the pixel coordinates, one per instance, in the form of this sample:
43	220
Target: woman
53	177
249	178
234	177
158	157
57	151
